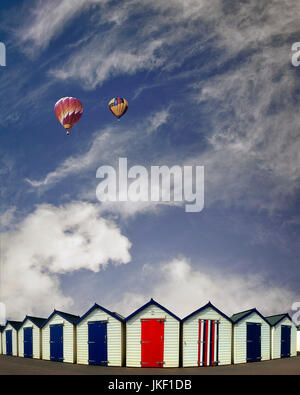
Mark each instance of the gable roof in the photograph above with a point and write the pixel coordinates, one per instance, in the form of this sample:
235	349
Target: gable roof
35	320
15	324
151	302
208	305
119	315
69	317
243	314
275	319
97	306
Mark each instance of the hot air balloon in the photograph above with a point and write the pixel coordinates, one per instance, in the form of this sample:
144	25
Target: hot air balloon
118	106
68	111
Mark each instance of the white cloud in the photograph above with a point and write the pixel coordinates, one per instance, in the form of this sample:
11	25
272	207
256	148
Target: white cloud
6	218
51	241
182	289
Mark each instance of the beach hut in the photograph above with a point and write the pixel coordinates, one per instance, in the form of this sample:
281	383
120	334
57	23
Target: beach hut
100	336
30	337
10	338
298	338
251	337
283	336
59	337
206	338
152	337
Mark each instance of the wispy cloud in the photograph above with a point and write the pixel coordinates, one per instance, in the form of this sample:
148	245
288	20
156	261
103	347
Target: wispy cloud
77	164
255	143
106	145
159	119
103	59
46	21
121	51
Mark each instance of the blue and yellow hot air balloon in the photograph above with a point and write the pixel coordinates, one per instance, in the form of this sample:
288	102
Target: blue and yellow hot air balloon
118	106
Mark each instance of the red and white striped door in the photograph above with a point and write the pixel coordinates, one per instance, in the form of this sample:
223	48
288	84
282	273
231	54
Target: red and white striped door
208	343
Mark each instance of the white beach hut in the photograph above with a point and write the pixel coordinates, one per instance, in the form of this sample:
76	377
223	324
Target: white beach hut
251	337
152	337
30	337
100	336
10	338
206	338
59	337
298	339
283	336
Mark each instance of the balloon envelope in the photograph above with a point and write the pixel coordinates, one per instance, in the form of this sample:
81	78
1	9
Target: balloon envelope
118	106
68	111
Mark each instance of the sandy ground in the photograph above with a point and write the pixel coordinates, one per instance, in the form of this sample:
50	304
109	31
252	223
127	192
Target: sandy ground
23	366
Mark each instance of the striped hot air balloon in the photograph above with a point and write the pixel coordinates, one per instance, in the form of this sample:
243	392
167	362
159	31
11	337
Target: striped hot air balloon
68	111
118	106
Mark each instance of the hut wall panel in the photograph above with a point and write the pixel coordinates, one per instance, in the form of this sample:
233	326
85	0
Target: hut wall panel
240	339
14	340
36	333
191	334
293	340
276	339
69	348
114	338
171	337
298	340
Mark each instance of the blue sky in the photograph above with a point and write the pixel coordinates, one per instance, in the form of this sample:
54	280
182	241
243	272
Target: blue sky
209	83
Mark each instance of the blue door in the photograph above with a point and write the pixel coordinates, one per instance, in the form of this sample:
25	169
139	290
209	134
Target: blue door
253	342
97	343
285	341
27	342
56	343
9	342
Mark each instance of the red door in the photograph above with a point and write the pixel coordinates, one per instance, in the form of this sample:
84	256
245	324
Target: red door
152	344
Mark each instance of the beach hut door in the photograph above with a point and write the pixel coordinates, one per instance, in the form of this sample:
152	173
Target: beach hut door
152	343
9	342
97	343
56	343
285	341
208	343
253	342
27	342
